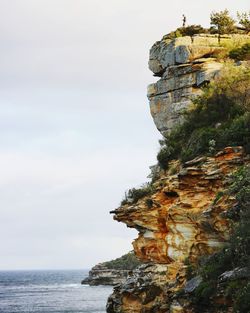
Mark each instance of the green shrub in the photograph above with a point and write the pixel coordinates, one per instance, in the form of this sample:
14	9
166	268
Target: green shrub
126	262
203	292
198	142
242	302
135	194
220	118
242	53
189	30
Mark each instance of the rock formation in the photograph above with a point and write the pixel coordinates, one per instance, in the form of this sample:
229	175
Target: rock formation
112	272
184	64
187	216
185	222
101	275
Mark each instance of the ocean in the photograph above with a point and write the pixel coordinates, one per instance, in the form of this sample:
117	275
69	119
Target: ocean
53	291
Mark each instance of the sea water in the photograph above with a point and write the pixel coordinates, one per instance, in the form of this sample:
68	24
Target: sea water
57	291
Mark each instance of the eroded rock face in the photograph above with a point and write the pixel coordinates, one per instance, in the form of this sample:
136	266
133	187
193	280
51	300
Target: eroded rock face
147	290
184	65
187	216
184	222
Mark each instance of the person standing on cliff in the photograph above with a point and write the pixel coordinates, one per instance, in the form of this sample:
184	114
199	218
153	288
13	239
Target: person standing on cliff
184	20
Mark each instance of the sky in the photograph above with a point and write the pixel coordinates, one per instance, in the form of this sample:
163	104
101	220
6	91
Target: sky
76	130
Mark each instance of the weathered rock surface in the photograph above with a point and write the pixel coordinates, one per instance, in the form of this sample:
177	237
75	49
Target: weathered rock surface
192	284
184	65
184	222
101	275
237	273
186	217
146	290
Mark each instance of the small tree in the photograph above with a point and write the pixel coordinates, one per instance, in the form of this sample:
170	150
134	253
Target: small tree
244	20
223	22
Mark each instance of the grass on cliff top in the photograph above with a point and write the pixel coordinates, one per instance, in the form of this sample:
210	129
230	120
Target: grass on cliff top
126	262
236	254
220	118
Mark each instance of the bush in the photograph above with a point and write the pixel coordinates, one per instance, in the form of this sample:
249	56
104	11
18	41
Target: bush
187	31
242	303
240	54
134	194
203	293
126	262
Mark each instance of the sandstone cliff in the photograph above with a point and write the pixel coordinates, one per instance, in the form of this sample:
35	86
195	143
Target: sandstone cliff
184	223
184	64
185	215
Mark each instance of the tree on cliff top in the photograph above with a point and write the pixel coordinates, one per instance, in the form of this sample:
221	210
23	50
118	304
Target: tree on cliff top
244	20
222	22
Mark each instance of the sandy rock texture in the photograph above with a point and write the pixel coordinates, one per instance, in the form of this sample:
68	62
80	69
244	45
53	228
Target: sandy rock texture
184	65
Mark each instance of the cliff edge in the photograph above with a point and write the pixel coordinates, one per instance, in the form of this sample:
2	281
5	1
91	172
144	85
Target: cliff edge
184	213
184	65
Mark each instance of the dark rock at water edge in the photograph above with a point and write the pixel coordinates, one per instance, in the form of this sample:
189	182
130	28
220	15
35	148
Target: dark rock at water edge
101	275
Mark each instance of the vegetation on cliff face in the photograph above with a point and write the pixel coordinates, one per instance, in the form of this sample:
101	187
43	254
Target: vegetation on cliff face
227	272
221	117
134	194
126	262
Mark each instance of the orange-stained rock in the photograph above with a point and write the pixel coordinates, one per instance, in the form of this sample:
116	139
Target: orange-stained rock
187	219
183	221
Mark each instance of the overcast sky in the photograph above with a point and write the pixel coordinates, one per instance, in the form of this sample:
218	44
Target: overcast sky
76	131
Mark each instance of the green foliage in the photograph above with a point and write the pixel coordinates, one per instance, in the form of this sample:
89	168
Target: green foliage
223	22
134	194
244	20
220	118
189	30
242	53
203	293
242	303
126	262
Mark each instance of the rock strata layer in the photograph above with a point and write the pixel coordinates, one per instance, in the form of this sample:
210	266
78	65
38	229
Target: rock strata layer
187	220
184	65
101	275
185	215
